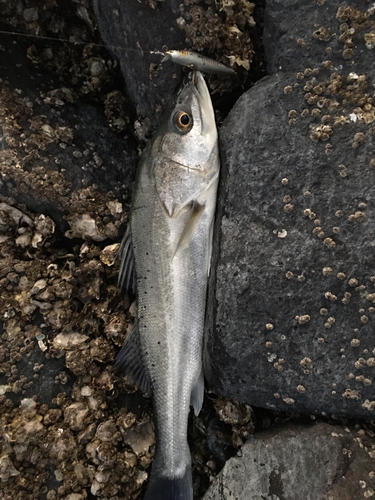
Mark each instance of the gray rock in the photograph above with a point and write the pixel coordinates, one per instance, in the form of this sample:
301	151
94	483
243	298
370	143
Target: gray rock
321	462
298	33
294	321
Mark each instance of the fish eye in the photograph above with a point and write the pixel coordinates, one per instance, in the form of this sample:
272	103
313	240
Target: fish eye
183	121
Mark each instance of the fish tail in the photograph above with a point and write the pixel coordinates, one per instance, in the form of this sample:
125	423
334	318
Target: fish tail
170	488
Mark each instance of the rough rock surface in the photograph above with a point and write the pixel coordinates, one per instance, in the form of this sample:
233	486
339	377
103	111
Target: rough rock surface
295	294
58	155
137	34
131	41
65	178
318	462
70	427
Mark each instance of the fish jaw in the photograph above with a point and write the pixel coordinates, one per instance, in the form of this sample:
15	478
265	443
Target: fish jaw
208	125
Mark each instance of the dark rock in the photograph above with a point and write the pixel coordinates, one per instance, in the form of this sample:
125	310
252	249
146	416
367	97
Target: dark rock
131	30
58	155
294	322
65	180
135	31
318	462
298	34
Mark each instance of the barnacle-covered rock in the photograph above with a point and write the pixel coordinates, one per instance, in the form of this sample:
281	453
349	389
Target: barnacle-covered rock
79	361
108	432
25	431
76	416
60	163
84	226
62	444
7	468
140	437
28	407
68	340
109	254
318	93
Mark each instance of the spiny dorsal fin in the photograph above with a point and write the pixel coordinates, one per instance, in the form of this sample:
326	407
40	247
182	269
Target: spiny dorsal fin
129	361
126	277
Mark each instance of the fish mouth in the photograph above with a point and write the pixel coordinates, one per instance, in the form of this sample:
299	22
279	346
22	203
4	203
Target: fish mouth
205	104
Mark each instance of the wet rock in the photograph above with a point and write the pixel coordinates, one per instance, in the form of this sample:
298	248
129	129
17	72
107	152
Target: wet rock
294	324
318	461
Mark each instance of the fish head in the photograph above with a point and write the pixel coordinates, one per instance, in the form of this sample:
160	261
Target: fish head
190	136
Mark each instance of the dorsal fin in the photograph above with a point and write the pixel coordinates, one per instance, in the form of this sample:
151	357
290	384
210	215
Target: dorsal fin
126	277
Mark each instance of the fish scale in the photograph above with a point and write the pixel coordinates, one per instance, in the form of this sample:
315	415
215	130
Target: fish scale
171	224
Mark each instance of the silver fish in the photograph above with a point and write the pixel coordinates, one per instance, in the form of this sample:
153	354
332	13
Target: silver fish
171	231
197	61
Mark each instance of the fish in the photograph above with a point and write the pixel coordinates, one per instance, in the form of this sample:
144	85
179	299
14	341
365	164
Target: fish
197	61
168	245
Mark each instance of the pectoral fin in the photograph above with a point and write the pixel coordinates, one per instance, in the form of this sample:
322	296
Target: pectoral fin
197	394
195	215
176	185
126	277
129	361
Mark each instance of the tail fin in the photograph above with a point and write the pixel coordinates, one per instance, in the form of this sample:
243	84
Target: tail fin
170	488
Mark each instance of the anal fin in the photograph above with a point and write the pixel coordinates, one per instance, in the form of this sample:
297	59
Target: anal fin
130	361
197	394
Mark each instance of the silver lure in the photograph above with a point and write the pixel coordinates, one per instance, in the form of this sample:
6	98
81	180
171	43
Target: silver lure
198	62
171	226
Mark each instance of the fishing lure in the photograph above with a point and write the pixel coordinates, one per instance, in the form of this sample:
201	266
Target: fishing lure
198	62
183	57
